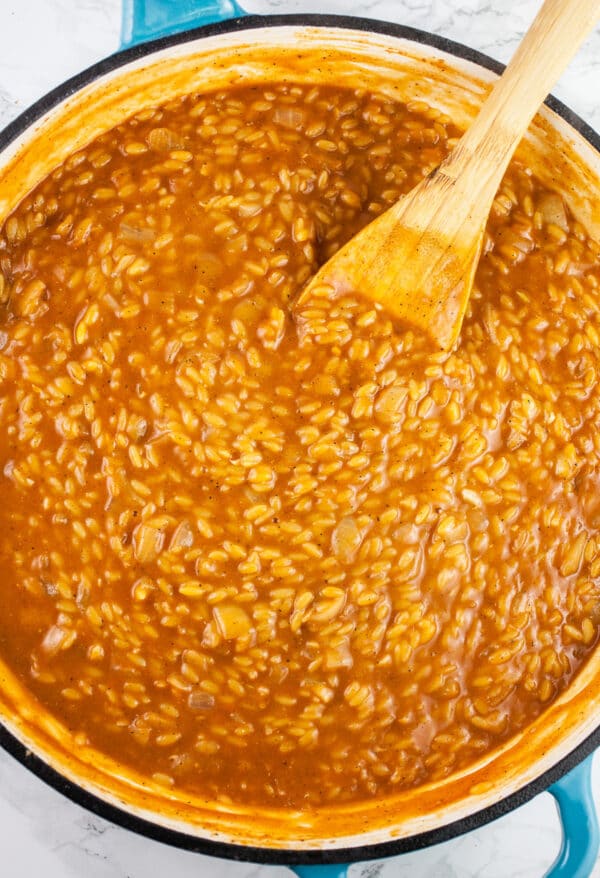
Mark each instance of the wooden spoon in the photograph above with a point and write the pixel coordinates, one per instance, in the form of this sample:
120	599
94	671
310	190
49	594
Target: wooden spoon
418	259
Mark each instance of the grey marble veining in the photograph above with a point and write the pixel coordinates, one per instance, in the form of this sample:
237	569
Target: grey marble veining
42	42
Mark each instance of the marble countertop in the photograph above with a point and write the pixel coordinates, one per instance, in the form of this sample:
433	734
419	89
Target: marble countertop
42	42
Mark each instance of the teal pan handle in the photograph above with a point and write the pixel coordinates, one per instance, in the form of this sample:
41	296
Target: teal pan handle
145	20
581	837
321	871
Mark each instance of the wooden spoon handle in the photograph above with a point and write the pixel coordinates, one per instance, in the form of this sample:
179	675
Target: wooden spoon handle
483	154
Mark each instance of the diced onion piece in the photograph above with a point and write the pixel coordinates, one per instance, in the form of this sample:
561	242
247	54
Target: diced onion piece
147	543
346	540
552	208
54	640
134	233
390	402
183	537
338	655
233	621
289	117
163	140
199	700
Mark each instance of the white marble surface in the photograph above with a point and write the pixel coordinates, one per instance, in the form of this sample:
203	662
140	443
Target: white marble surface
41	43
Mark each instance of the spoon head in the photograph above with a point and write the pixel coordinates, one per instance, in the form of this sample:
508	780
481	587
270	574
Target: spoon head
419	278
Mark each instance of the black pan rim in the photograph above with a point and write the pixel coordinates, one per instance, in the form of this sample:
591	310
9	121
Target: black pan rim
227	850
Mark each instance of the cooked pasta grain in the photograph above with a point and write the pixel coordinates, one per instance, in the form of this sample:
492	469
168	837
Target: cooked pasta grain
289	558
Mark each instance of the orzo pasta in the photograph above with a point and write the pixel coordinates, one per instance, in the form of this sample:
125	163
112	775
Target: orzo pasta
289	558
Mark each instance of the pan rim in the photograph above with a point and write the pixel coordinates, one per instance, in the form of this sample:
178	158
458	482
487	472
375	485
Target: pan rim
283	856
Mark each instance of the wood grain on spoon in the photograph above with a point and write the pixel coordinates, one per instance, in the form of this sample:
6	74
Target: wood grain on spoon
418	259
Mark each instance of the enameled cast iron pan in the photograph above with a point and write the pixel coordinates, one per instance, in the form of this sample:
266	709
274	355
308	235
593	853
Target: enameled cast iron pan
173	46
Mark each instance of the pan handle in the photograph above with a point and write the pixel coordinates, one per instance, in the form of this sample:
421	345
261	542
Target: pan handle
320	871
577	812
145	20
